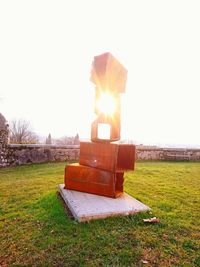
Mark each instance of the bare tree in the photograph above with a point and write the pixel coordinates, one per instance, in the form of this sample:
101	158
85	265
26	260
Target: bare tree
21	133
67	140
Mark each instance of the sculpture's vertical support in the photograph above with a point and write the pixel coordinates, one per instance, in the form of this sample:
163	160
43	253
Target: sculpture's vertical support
102	163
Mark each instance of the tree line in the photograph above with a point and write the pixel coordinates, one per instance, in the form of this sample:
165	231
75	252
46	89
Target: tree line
21	132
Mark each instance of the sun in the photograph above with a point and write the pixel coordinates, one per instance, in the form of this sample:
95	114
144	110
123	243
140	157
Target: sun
106	104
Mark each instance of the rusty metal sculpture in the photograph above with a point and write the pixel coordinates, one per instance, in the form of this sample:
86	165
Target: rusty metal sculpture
102	163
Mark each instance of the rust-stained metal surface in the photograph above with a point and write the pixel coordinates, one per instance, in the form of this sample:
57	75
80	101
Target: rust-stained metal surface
99	155
107	156
108	72
102	164
115	127
90	180
109	76
101	168
94	181
126	157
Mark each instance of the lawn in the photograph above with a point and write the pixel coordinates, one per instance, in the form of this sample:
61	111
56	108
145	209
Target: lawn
35	229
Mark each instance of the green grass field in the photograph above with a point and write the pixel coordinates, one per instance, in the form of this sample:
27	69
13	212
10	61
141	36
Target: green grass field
35	229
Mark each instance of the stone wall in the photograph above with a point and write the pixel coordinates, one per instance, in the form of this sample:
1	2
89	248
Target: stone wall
3	147
174	154
3	141
12	155
3	137
26	154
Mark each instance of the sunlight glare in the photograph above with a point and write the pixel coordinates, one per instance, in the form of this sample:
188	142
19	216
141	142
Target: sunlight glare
106	104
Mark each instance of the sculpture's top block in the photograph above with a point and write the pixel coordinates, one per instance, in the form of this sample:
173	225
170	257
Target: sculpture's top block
108	73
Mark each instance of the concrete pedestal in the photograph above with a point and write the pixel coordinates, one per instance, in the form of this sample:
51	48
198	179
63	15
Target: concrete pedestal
86	207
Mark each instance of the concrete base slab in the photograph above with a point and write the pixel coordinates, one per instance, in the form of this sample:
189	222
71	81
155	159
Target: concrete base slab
86	207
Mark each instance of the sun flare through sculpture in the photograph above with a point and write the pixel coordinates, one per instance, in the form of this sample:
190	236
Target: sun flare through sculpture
106	104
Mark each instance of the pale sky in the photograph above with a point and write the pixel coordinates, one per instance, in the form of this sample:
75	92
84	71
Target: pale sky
46	52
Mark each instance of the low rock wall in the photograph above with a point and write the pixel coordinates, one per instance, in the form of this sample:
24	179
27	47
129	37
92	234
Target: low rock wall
12	155
174	154
3	146
25	154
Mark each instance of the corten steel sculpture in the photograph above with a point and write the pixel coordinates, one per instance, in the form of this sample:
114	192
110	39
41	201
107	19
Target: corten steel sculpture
102	163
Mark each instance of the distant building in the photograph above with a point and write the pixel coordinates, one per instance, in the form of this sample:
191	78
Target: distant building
76	140
48	140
